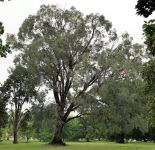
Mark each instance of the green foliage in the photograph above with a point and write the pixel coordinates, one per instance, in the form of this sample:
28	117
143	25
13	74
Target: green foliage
148	76
73	130
26	125
145	7
44	133
17	90
44	126
19	81
112	105
149	33
4	49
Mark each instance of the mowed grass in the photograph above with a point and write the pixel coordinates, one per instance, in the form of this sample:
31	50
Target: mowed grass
78	146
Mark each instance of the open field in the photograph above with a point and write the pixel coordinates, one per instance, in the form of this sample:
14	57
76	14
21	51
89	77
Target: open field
78	146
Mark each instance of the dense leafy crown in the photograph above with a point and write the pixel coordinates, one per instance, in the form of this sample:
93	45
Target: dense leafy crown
145	7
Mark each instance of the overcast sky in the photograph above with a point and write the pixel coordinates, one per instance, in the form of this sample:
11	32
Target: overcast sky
120	12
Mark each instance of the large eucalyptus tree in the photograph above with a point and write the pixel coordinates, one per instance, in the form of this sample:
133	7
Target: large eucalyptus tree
68	50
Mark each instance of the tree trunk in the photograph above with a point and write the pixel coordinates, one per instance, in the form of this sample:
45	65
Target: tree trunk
87	139
15	139
27	139
58	134
15	129
61	120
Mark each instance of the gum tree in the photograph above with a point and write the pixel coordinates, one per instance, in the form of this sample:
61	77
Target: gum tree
66	49
17	90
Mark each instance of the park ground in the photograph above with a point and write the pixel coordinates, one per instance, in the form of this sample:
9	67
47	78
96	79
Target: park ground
78	146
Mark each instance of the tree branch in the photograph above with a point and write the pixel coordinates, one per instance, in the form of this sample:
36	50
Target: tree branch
71	118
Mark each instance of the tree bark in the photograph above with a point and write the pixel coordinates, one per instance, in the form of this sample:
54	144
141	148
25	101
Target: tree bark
27	139
15	129
58	134
15	139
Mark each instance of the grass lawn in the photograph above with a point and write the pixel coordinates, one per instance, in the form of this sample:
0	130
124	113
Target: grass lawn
78	146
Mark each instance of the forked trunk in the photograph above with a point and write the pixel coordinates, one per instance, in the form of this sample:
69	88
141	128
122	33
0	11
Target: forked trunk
61	120
58	134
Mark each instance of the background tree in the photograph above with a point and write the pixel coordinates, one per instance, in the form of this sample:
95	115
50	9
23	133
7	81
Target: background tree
116	106
120	102
65	47
73	131
26	126
4	49
43	128
146	8
120	111
17	90
148	76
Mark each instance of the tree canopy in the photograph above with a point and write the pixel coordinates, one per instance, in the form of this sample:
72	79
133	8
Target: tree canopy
145	7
